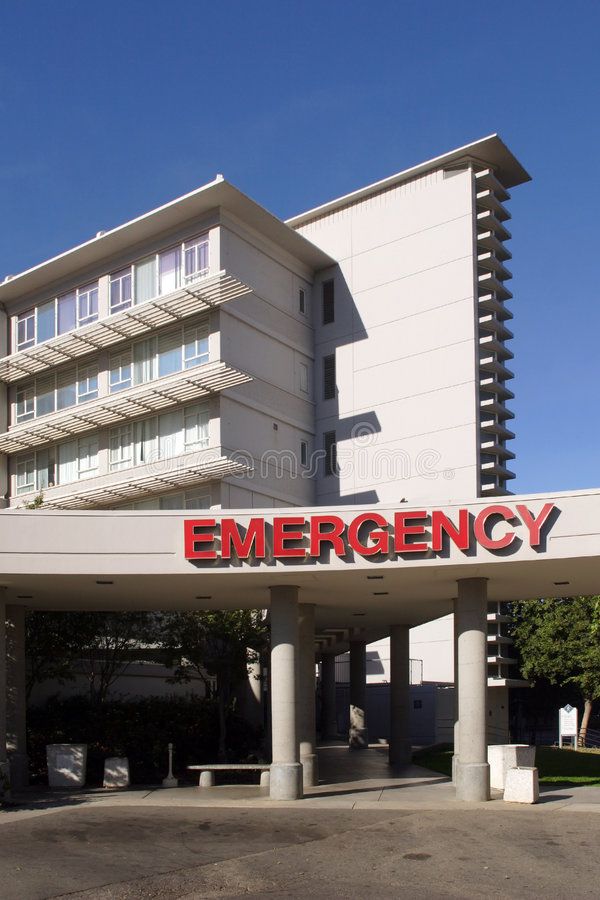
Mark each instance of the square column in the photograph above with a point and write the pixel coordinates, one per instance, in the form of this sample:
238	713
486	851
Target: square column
307	729
16	701
470	622
358	738
286	771
329	729
400	752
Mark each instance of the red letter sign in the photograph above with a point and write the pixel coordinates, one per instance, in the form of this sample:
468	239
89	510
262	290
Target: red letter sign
481	535
534	526
191	538
440	523
230	538
281	536
381	538
333	536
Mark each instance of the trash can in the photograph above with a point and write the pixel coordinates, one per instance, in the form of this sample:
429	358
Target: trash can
66	765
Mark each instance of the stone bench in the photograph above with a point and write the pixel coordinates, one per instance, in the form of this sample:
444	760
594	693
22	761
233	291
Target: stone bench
503	757
207	773
522	785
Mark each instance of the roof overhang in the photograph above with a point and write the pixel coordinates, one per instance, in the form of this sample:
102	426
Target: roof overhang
489	151
214	195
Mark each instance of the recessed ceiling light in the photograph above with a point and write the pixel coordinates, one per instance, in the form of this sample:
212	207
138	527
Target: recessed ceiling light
207	597
561	583
25	597
380	593
359	614
105	582
374	577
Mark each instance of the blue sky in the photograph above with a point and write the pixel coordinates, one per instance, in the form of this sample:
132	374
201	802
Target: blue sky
109	109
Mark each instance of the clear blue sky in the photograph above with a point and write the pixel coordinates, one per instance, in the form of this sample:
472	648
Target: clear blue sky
108	109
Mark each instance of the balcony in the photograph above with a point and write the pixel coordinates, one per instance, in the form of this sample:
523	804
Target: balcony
487	200
492	407
487	240
140	482
487	221
491	304
486	180
206	294
491	324
489	284
492	426
148	398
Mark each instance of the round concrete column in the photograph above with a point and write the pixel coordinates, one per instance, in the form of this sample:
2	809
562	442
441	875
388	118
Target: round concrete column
456	725
16	711
358	738
329	727
307	700
472	769
286	771
4	776
400	743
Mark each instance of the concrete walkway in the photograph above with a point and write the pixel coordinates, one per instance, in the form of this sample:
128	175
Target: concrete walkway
361	780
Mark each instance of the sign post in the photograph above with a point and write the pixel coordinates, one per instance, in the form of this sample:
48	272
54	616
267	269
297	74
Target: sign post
567	724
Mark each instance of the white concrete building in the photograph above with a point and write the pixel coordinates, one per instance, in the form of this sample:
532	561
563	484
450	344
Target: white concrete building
209	356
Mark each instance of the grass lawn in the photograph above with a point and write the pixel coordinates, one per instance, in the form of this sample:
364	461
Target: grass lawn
555	766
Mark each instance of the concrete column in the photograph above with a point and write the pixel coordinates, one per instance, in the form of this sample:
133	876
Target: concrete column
307	700
472	769
286	770
4	776
456	725
358	737
16	701
400	743
329	727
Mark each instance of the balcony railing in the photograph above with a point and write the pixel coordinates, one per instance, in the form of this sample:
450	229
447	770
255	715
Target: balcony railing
208	293
114	408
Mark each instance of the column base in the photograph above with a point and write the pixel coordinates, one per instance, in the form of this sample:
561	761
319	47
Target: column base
358	739
310	770
454	767
286	781
19	770
400	753
472	782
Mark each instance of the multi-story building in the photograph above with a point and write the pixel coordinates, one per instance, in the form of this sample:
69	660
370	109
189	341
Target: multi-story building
210	355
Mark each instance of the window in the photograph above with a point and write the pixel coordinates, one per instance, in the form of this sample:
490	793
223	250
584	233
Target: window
329	377
145	279
121	294
196	500
328	302
120	448
196	427
168	270
302	301
66	312
195	346
330	447
51	393
159	356
303	453
119	376
195	255
26	474
87	304
25	408
46	321
87	457
26	330
46	469
87	385
146	441
303	376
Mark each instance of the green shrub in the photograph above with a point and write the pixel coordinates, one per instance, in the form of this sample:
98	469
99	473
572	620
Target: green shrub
138	729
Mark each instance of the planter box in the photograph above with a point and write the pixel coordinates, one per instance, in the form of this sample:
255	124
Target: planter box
503	757
66	765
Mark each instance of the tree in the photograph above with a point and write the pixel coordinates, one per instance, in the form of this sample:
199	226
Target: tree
99	645
217	646
559	639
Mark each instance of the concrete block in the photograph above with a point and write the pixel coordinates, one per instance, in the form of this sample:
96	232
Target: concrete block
502	757
116	772
66	765
265	779
522	785
207	779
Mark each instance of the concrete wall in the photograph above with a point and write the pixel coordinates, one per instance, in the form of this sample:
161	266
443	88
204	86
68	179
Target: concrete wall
404	341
